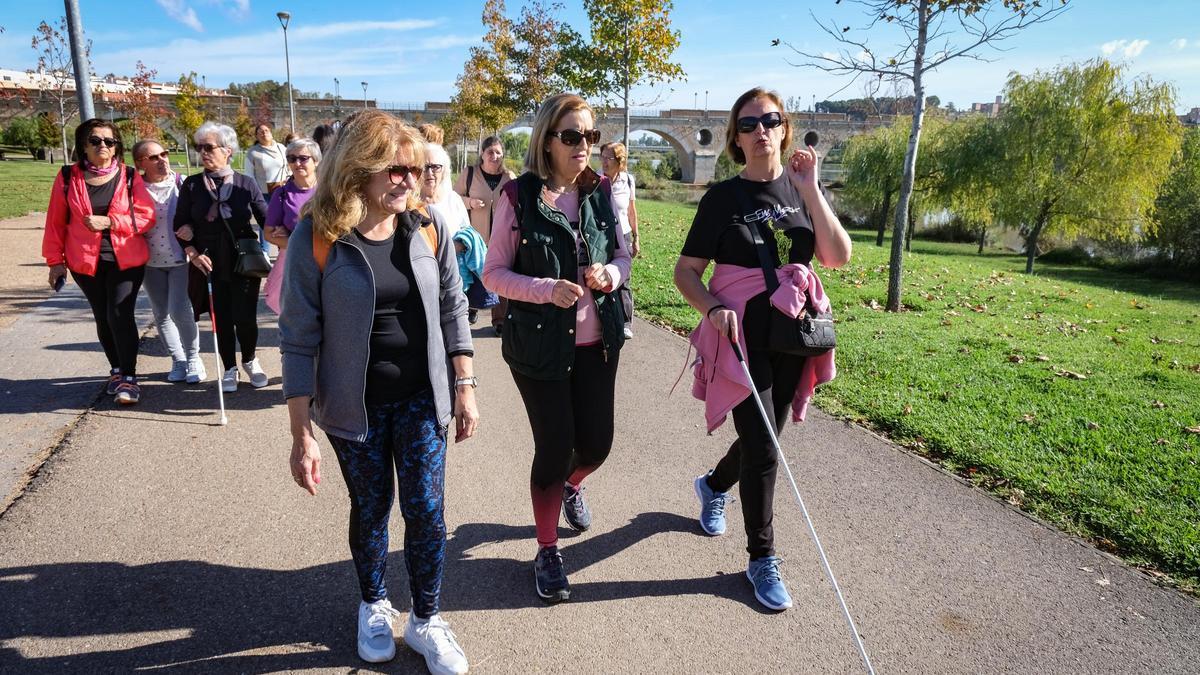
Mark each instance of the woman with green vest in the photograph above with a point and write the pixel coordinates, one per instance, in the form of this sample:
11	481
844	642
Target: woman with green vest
556	253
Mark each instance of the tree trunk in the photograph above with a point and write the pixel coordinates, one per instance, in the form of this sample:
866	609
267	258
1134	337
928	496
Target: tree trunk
896	261
1032	240
883	217
982	237
912	225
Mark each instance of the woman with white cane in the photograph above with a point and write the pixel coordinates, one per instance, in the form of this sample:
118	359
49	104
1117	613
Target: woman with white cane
735	226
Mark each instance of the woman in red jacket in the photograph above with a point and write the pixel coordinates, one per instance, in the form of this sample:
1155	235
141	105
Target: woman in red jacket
98	210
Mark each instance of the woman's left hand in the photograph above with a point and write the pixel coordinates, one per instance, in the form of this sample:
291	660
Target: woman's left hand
466	413
597	278
802	168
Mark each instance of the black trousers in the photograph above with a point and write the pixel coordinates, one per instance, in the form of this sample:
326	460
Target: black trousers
112	294
751	461
572	418
235	301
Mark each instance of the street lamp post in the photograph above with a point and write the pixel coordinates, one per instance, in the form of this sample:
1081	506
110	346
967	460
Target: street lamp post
337	93
695	102
284	18
364	84
705	104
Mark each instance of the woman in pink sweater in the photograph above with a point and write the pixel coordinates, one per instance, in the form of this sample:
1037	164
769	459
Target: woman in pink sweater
556	253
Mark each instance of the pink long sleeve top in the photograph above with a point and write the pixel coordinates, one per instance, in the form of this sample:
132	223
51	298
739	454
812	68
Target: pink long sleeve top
499	276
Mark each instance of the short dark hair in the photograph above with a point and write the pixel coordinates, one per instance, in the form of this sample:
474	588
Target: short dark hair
84	130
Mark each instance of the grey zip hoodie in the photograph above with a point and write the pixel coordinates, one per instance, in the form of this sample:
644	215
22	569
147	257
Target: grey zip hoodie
325	324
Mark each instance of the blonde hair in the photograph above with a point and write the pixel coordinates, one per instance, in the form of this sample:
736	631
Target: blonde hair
537	158
731	133
619	153
365	147
432	133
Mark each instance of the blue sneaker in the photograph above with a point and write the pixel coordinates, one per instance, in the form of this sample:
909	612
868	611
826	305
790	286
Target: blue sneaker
575	509
768	585
712	506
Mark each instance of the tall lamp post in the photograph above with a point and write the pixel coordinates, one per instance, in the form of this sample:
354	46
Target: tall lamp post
364	84
284	18
337	93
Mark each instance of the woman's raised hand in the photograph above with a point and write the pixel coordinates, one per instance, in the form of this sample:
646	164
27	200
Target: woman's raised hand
597	278
802	168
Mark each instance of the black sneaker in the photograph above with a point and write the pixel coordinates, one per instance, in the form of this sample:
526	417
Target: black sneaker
575	509
548	576
472	316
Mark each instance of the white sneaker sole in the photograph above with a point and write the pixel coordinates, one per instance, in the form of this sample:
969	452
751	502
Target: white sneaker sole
367	655
700	496
228	388
256	385
430	662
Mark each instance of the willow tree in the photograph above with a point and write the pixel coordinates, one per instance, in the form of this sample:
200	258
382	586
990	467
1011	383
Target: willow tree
1085	153
929	34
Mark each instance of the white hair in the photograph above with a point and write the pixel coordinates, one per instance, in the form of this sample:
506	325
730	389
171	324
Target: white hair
224	132
436	154
305	144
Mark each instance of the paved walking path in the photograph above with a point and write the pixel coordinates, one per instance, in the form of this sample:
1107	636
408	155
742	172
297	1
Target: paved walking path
152	539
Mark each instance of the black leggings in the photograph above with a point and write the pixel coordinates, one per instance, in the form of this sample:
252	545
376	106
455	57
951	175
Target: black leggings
572	419
112	293
751	462
236	304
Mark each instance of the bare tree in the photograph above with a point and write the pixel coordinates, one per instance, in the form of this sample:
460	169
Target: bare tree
55	71
929	34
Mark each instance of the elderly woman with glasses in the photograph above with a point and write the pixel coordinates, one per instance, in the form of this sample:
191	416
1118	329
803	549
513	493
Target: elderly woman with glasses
735	226
468	244
556	253
214	210
374	319
283	211
99	210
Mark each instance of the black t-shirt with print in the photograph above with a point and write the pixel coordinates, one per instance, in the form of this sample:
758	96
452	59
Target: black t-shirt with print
720	233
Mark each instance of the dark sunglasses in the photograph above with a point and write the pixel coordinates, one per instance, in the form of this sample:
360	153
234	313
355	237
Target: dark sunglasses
164	155
206	147
397	173
434	168
96	141
572	137
299	159
769	121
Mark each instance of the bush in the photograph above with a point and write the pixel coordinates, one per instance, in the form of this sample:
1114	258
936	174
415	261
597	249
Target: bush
24	132
955	231
726	168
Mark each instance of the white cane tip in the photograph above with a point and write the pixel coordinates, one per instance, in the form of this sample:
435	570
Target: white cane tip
224	420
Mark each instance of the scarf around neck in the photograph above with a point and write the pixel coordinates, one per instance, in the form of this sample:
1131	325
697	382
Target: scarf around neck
220	195
97	171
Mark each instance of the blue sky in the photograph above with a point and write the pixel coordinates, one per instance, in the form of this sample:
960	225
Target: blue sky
413	51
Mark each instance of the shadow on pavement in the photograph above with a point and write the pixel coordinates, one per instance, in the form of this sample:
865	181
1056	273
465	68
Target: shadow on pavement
198	616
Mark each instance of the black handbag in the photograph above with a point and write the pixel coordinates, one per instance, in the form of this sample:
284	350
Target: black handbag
249	259
809	334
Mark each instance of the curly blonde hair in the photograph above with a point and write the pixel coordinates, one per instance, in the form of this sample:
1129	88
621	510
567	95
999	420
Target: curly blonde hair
367	145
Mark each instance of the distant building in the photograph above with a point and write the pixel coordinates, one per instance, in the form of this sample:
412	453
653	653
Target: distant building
1192	118
990	109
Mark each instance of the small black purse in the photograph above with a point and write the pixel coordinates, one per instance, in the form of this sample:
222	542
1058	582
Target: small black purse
809	334
249	259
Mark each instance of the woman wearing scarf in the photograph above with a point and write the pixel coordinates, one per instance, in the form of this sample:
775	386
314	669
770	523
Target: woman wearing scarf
98	211
214	208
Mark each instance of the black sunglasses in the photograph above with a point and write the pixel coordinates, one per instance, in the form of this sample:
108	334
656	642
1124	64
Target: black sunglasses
165	154
96	141
206	147
769	121
397	173
573	137
299	159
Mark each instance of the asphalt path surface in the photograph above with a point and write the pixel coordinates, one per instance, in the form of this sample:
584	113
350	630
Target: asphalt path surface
150	538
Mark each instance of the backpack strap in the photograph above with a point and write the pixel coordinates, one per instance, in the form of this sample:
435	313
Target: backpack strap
428	230
320	251
510	190
470	178
320	247
66	187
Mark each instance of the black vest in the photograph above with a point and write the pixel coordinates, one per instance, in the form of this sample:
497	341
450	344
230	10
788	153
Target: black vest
539	339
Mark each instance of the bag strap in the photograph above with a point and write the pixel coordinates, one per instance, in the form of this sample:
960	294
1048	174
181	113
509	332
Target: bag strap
428	231
470	178
66	188
760	246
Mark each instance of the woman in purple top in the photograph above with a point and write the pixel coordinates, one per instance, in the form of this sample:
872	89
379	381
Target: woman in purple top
303	156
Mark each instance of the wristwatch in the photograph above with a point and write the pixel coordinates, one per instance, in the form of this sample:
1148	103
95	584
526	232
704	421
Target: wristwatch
473	381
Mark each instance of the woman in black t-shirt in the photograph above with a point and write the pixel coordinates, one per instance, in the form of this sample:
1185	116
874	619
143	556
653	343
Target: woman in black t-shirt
766	196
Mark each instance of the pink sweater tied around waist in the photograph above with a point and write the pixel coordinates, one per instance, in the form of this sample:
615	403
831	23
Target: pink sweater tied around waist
718	377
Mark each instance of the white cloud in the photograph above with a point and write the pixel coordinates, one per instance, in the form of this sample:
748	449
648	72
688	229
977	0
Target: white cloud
1130	48
1178	44
1135	48
181	12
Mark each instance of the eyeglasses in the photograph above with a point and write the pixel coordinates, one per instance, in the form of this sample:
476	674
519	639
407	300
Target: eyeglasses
206	147
299	159
434	168
397	173
574	137
165	155
769	121
96	141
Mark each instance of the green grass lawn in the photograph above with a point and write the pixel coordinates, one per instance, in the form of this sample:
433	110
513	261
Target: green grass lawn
26	182
1074	393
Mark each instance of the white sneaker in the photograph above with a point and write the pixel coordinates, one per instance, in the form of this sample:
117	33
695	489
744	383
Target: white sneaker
195	370
229	381
258	378
434	640
376	641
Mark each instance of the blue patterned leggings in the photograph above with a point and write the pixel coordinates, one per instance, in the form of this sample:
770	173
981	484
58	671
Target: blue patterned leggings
404	435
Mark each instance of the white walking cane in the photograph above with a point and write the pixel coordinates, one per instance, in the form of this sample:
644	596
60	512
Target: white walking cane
212	316
862	651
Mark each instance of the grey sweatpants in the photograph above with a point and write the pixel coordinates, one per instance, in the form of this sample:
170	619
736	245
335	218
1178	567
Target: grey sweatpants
167	289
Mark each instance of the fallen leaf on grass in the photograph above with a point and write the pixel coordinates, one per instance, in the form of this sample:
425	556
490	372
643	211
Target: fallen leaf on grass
1016	497
1193	430
1070	375
1157	404
873	304
1041	357
1016	358
1161	441
964	350
1092	425
908	411
1028	418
